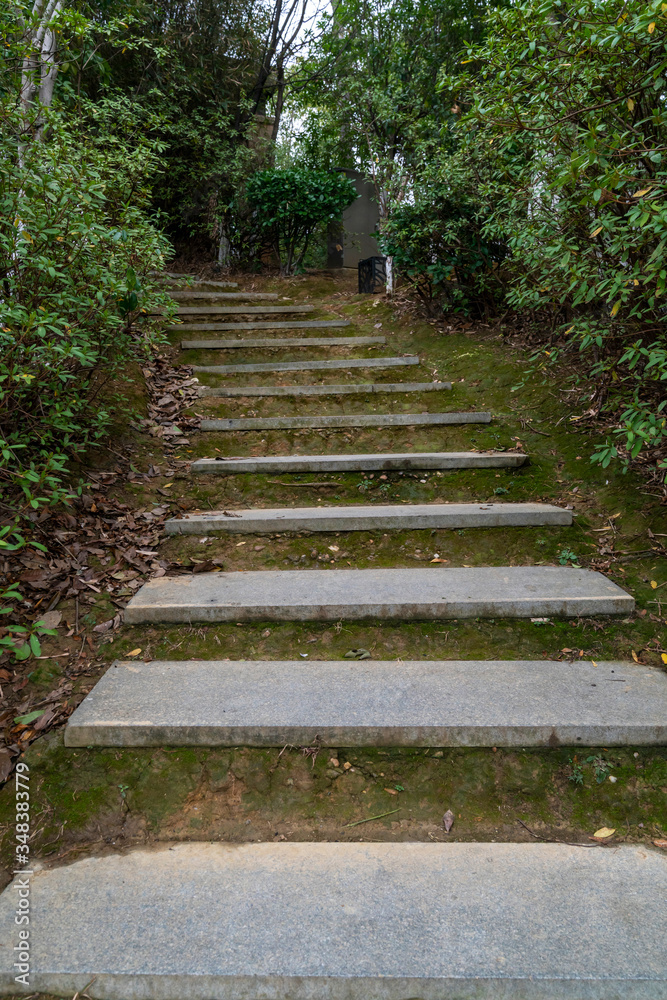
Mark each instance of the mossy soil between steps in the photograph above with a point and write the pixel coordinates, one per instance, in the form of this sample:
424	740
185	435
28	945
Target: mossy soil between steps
87	801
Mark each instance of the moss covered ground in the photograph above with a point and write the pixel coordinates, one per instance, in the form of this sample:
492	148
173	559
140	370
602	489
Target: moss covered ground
89	801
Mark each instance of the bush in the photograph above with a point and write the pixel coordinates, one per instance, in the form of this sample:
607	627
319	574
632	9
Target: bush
438	245
76	250
572	101
290	204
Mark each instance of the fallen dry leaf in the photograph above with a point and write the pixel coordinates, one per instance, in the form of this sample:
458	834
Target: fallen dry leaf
604	832
448	820
134	652
660	843
51	619
6	758
391	791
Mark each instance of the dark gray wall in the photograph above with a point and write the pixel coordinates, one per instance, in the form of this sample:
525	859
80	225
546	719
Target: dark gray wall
356	236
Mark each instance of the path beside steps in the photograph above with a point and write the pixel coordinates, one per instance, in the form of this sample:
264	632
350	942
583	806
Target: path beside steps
355	921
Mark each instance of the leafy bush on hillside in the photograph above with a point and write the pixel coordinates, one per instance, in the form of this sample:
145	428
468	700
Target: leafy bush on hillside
290	204
571	102
76	249
438	245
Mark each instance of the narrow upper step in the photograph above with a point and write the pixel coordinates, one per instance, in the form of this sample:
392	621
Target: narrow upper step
362	463
176	276
338	420
322	390
307	324
331	595
472	703
308	366
279	342
347	921
188	293
363	518
249	310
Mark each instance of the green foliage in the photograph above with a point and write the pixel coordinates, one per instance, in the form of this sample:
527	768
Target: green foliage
567	106
369	98
183	73
290	204
438	244
75	252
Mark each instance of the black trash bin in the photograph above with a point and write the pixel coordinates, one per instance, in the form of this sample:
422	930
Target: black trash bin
372	274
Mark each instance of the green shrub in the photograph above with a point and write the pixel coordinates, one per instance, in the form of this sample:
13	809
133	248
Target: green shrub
290	204
76	249
571	102
438	245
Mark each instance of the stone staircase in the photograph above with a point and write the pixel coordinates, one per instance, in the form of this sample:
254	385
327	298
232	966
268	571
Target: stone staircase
347	921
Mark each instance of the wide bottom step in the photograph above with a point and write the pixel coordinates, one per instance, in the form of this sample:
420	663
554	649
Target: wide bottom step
363	518
394	594
472	703
343	921
358	463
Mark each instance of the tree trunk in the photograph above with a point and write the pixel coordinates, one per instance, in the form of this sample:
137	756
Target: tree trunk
39	70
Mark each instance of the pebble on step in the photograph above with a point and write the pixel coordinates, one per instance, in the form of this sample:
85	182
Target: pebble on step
347	921
471	703
390	594
361	518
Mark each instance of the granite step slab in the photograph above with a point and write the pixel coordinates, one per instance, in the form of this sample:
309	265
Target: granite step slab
177	276
434	593
279	342
240	309
187	294
308	366
322	390
306	324
343	420
346	921
395	462
443	703
394	517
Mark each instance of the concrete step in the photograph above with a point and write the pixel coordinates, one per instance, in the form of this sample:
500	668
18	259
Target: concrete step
307	324
470	703
346	921
279	342
241	309
177	276
362	463
363	518
186	294
349	420
308	366
392	594
322	390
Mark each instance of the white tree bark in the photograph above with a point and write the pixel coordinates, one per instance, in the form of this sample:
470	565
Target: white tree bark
40	65
389	275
